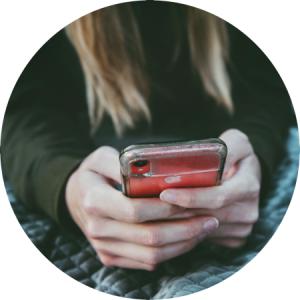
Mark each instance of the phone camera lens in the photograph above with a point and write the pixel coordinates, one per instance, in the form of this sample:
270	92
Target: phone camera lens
140	163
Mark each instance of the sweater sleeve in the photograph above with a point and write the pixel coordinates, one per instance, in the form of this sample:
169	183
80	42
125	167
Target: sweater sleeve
263	108
45	130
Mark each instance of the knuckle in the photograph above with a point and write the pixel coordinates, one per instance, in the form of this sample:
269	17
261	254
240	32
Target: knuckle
153	256
88	205
228	215
253	216
248	231
219	202
96	228
248	215
133	213
103	150
237	244
190	200
172	209
236	133
241	135
91	230
251	189
152	267
106	260
254	190
234	244
243	232
152	237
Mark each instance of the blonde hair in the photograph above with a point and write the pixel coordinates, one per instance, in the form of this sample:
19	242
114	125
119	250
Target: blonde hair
110	50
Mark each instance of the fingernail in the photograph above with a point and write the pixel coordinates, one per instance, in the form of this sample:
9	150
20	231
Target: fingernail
210	225
168	196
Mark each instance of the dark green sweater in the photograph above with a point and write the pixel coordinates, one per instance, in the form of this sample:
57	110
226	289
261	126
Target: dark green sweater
46	128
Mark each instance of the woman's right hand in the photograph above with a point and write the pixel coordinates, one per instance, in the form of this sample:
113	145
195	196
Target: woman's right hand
126	232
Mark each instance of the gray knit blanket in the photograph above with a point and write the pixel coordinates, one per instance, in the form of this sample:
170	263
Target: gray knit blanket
199	269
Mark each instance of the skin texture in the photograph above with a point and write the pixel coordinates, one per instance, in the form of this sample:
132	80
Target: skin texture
141	233
235	203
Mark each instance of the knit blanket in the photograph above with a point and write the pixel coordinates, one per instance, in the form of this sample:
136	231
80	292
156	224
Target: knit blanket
199	269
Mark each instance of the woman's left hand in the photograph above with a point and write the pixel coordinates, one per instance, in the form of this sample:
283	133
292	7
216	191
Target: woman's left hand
235	203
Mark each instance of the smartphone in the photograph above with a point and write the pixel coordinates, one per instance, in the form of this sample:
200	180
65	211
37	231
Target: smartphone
148	169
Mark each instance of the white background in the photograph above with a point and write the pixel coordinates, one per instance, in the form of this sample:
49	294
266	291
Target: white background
25	26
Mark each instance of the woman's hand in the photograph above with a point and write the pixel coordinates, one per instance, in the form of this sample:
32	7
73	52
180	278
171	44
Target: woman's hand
235	202
113	223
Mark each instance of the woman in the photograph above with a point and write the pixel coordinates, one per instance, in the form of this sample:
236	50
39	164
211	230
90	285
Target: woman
144	71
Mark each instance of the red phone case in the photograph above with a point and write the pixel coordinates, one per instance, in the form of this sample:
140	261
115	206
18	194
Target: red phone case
148	169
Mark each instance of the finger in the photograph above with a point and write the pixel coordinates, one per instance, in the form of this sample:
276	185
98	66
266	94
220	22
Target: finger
144	254
244	184
187	213
246	212
205	197
154	233
230	243
104	200
105	161
229	172
232	231
123	262
238	147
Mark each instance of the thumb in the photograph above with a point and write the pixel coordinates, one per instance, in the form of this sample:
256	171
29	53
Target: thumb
238	148
105	161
